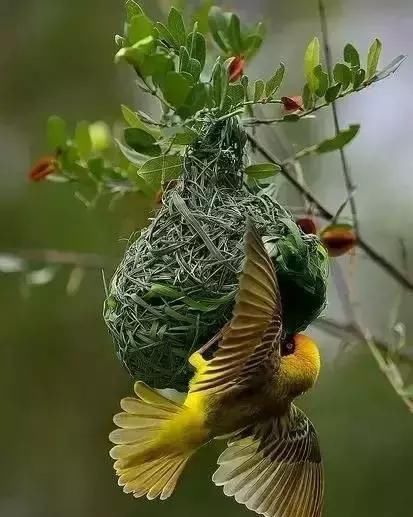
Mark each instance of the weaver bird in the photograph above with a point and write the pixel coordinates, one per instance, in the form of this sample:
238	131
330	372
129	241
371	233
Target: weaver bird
272	463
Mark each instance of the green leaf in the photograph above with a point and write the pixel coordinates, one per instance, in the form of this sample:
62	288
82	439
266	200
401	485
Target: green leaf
143	186
273	84
141	141
259	88
342	74
389	69
244	82
156	66
176	88
373	58
234	34
262	170
140	27
196	45
160	170
183	59
218	27
165	34
332	92
219	83
200	16
291	117
236	93
322	81
176	26
358	79
134	120
253	42
56	132
100	136
311	60
83	140
135	54
96	167
132	9
308	99
339	141
195	100
185	136
194	69
351	55
131	155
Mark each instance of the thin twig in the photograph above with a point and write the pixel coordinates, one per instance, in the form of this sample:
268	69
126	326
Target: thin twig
351	332
253	121
324	212
57	257
350	187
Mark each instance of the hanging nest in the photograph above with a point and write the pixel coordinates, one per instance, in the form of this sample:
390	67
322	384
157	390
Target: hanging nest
176	284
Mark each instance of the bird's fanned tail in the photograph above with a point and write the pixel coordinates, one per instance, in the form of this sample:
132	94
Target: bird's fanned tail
146	461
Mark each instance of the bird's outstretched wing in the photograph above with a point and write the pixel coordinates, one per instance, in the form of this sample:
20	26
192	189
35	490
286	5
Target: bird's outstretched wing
275	468
254	331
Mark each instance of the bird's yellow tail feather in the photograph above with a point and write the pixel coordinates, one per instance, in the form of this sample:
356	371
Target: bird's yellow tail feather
147	461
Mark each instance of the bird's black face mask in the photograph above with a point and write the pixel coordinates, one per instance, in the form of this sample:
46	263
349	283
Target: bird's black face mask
287	345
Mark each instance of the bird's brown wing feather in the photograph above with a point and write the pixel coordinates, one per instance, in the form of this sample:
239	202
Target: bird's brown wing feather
275	468
253	335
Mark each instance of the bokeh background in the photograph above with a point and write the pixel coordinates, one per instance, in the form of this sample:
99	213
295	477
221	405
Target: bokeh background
60	382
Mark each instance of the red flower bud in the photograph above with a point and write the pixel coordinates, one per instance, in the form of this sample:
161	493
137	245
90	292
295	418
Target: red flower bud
42	168
307	225
338	239
236	69
292	104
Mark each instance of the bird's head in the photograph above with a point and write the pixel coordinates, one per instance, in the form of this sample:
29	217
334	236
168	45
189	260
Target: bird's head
300	364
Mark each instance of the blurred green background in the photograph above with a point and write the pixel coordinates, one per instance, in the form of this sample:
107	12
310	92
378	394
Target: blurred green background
60	382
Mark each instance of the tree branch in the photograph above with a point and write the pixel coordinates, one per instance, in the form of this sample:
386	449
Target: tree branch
351	332
324	212
350	187
56	257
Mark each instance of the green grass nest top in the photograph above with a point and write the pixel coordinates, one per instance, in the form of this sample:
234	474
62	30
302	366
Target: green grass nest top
176	284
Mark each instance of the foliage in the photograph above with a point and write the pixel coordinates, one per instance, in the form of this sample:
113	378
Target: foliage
196	70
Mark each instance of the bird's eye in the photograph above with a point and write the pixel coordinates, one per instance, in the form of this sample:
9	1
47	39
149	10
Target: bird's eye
288	347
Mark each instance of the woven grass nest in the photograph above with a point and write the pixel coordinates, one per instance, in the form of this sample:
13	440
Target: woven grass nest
175	287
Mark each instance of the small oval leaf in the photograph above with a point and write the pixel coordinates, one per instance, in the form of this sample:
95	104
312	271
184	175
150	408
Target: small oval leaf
273	84
351	55
262	170
259	87
56	132
343	138
373	58
333	92
311	60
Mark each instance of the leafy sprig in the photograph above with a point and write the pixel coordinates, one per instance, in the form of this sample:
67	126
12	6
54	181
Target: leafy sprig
174	63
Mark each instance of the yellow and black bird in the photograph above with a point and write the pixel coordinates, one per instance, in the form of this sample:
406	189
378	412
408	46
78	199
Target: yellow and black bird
245	392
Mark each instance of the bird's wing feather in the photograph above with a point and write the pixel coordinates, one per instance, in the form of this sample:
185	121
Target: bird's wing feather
255	328
275	468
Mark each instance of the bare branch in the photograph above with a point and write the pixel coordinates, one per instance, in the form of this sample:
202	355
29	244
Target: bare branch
63	258
350	187
324	212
